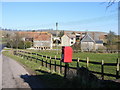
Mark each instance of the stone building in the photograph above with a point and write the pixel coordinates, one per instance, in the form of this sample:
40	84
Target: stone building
89	44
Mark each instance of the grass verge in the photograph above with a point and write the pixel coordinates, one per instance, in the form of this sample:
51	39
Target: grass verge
50	80
55	80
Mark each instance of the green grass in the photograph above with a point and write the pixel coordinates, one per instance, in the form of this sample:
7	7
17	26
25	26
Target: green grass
97	57
107	57
49	79
52	79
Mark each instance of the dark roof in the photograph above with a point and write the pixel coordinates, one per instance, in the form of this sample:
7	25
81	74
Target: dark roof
99	41
87	38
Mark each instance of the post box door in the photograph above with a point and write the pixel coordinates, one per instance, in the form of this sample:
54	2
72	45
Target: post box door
66	54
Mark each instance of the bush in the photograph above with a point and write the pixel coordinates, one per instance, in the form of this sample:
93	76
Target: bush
76	46
101	49
21	44
112	48
28	44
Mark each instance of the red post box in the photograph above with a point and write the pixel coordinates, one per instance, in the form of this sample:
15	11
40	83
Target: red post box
66	54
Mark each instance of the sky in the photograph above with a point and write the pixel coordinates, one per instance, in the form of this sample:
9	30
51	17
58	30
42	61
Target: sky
78	16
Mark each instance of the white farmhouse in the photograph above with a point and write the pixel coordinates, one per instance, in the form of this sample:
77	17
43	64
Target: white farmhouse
68	40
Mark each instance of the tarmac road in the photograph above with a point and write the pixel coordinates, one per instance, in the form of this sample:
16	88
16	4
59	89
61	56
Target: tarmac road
11	72
0	71
14	75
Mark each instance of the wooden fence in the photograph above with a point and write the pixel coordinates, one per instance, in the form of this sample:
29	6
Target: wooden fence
62	67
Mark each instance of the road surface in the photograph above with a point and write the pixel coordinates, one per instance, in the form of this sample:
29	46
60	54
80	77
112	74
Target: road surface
11	72
15	75
1	47
0	71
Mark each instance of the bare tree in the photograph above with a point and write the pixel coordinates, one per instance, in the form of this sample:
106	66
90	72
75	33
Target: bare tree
110	3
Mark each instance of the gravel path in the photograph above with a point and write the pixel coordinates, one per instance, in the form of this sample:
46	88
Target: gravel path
15	76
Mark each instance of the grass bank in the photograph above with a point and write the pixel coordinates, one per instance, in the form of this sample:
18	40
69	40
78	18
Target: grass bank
52	79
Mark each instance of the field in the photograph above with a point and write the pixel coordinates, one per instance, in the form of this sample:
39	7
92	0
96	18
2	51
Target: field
96	57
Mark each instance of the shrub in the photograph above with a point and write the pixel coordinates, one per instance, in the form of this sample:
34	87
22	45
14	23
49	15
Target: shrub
76	46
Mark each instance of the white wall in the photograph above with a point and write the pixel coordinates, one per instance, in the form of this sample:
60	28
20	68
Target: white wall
65	40
99	46
87	46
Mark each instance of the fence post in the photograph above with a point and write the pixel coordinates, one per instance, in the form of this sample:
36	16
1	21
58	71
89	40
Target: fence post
87	62
66	69
14	52
102	70
31	56
46	60
50	62
60	66
55	63
36	58
24	56
78	64
42	60
117	69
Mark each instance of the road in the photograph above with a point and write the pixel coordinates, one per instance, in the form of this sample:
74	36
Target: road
0	70
14	75
1	47
11	72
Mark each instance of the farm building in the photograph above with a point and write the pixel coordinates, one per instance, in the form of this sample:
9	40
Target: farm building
98	44
90	44
87	43
68	40
41	40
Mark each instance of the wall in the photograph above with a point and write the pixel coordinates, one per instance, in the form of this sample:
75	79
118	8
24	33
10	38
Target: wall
87	46
65	40
100	46
42	44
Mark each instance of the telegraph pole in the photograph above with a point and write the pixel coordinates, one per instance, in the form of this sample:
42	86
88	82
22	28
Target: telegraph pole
56	37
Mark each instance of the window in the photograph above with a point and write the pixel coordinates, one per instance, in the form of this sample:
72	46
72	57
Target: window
71	42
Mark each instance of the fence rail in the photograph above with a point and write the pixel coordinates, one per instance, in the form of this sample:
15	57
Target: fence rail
55	65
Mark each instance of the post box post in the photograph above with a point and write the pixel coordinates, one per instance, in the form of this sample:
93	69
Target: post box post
66	58
66	69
